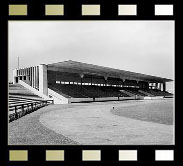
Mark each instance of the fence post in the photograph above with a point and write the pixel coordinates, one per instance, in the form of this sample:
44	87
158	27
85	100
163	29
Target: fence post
27	108
32	106
15	109
16	116
22	109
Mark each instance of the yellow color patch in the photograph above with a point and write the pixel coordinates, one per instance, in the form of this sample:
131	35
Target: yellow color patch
91	155
127	155
55	155
17	10
90	10
54	10
127	10
18	155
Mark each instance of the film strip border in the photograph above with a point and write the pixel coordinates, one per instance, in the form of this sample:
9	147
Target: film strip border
95	9
91	10
90	155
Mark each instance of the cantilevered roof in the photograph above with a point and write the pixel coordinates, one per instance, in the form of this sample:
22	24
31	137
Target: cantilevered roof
90	69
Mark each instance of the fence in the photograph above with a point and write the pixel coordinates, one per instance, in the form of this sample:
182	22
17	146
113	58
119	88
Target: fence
16	111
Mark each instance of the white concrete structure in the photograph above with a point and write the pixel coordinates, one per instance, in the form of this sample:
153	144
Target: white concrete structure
43	83
35	79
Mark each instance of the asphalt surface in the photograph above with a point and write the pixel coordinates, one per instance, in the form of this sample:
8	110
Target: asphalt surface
94	124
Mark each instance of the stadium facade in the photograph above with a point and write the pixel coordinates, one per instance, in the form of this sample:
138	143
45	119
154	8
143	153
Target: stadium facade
72	81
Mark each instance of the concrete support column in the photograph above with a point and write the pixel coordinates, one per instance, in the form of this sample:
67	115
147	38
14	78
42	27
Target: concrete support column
159	86
32	71
81	76
30	76
105	77
14	76
164	86
35	77
156	85
43	81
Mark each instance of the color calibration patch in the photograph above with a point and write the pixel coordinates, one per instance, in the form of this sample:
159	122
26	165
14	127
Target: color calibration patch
91	155
91	10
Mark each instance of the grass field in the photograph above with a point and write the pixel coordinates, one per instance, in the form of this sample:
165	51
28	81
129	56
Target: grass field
160	112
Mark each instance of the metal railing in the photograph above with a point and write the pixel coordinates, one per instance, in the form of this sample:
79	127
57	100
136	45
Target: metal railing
16	111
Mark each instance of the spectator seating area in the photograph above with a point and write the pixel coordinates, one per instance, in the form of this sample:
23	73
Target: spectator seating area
19	90
156	92
85	91
91	91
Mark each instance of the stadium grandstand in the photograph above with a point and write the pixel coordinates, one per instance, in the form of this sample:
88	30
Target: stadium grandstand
71	81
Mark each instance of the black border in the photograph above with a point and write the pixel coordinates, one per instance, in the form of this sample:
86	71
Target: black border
72	11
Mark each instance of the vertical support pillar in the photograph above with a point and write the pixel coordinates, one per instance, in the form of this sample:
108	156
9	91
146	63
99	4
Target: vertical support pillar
43	81
36	69
14	76
32	71
105	77
35	77
30	74
164	86
159	86
81	75
156	85
147	85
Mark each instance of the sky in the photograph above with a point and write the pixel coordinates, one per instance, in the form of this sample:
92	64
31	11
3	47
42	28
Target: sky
139	46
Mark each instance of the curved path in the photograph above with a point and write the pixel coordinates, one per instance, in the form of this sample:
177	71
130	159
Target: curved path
29	131
94	124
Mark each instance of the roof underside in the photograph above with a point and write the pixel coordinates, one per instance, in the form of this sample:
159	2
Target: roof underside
89	69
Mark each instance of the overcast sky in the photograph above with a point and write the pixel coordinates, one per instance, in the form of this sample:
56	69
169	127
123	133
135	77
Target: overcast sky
140	46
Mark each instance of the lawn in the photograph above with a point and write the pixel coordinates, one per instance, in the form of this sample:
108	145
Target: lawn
160	112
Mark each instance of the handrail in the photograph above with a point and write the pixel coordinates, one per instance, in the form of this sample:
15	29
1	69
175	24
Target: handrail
25	108
25	103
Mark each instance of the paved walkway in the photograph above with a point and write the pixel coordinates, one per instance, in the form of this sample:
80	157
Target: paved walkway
29	131
93	124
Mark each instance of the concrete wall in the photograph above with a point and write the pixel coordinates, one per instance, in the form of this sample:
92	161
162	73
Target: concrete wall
43	83
14	76
57	98
33	90
153	98
99	99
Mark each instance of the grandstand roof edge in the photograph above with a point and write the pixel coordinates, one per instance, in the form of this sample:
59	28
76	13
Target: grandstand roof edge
83	66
